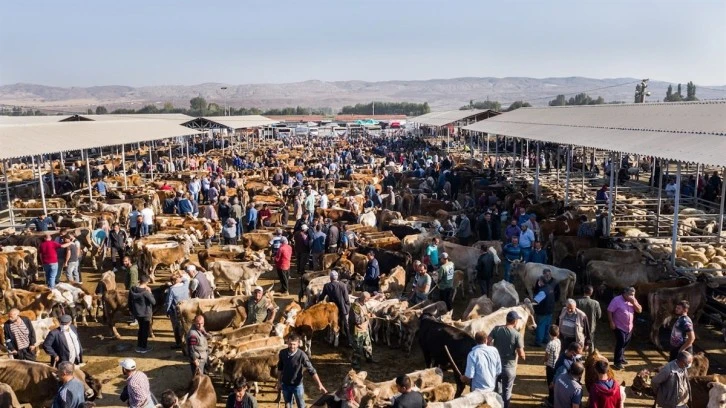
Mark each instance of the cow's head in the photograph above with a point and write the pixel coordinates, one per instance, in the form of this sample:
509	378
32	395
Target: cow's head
716	395
641	383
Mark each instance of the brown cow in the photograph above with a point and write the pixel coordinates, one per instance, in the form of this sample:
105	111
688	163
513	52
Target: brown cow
662	302
37	383
201	393
170	253
257	240
305	322
563	247
218	313
23	300
117	301
260	366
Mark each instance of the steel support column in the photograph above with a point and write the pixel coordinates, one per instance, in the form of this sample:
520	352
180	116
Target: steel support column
674	232
582	183
723	194
567	176
6	169
611	195
88	175
40	181
52	174
151	164
536	175
660	196
123	166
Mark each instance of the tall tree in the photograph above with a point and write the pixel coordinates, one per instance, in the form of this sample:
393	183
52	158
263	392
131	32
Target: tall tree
558	101
101	110
198	105
691	91
168	107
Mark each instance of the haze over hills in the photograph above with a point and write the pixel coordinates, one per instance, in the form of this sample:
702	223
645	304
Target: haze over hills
441	94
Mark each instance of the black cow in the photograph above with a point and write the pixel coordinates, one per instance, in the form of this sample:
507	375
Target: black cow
434	335
388	260
400	231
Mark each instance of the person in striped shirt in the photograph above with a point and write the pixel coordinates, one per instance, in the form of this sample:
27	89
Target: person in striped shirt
19	336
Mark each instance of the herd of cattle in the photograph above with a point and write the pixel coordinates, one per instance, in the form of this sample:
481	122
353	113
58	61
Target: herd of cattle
397	236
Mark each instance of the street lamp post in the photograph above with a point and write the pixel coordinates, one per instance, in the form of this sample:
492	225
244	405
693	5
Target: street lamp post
224	88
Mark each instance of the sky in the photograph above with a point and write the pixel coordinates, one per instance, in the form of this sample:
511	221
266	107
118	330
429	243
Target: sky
178	42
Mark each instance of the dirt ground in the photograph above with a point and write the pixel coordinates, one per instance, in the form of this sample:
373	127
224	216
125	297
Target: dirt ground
168	369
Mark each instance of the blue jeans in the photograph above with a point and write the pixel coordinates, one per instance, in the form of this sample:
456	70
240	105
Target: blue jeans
507	271
525	253
288	391
543	328
51	270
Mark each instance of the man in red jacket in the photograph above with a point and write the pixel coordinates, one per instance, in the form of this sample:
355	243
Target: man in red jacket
605	391
282	263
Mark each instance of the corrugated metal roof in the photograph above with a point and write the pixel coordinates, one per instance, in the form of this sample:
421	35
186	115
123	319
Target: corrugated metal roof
689	131
234	122
446	117
21	140
30	120
178	117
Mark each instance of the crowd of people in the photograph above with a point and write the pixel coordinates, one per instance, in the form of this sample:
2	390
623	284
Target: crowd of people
565	334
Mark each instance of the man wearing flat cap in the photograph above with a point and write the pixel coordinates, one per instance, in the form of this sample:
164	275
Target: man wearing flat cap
63	344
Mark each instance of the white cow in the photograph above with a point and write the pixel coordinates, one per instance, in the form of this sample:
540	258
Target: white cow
530	272
487	323
42	328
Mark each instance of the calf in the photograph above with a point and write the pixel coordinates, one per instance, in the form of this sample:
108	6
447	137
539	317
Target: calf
117	301
504	295
240	274
394	282
258	367
364	392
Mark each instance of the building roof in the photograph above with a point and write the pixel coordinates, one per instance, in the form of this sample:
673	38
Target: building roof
231	122
446	117
177	117
21	140
685	131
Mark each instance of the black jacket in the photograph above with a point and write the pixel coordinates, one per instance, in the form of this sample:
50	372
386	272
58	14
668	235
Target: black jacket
488	231
141	302
117	239
547	305
337	293
485	266
10	342
56	347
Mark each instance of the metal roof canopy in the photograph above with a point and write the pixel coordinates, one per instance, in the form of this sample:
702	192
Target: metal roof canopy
446	117
230	122
45	138
689	131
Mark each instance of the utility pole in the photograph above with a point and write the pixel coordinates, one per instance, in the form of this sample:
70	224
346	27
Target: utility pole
640	91
224	88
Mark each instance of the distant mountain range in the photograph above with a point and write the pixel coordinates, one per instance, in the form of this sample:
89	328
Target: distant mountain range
441	94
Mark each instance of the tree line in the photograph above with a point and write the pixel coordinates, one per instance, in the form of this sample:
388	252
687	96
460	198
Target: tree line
678	95
495	105
387	108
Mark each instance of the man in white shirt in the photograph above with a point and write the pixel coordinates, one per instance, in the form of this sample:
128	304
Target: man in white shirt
671	189
147	224
324	201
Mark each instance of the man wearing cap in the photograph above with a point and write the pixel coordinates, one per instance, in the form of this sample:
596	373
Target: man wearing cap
275	241
19	336
337	293
259	308
197	346
621	313
508	341
373	274
137	392
302	249
446	280
62	344
71	392
282	264
362	346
